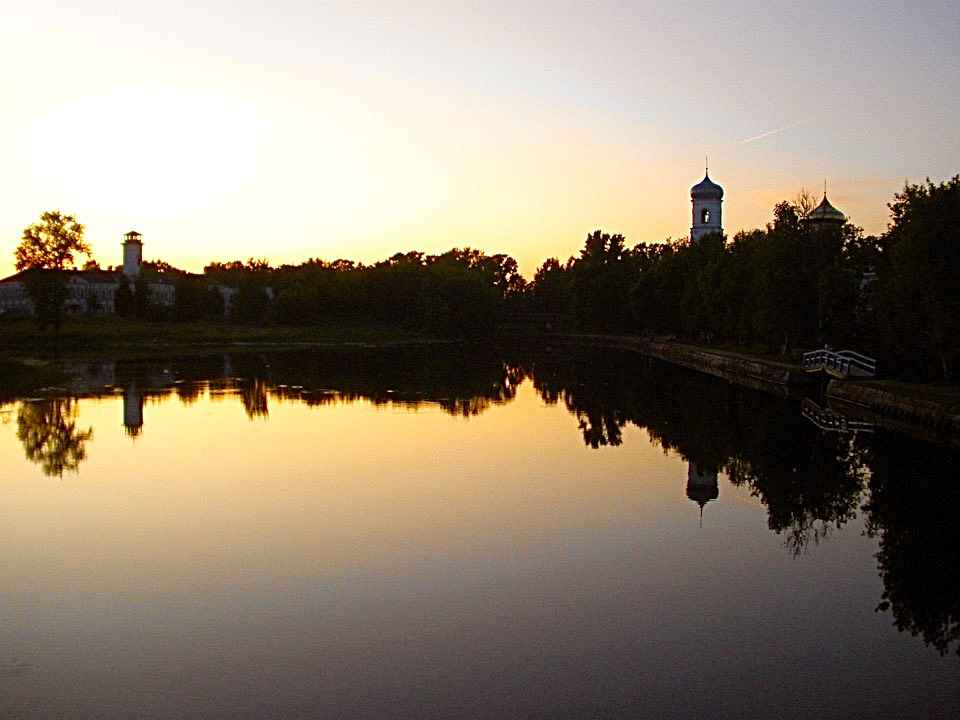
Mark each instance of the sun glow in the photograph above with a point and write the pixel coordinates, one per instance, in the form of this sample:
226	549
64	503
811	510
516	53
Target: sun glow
146	149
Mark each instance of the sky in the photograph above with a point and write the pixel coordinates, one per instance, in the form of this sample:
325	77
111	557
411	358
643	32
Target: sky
295	130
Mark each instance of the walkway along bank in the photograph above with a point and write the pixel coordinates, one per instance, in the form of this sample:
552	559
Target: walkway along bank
884	403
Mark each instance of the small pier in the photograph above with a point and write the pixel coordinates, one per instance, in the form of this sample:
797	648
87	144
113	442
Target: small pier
840	364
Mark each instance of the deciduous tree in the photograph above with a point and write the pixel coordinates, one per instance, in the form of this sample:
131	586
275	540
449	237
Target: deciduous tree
48	248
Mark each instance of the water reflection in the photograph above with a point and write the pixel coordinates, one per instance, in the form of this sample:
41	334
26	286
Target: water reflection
829	420
702	485
811	483
914	509
50	435
132	410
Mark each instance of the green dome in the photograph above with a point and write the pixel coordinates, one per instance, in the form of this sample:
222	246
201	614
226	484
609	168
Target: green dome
825	212
706	188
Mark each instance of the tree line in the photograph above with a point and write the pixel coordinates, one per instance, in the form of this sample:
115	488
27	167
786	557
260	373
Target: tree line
795	284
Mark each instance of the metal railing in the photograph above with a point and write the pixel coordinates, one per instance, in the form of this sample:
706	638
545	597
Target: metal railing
831	421
842	363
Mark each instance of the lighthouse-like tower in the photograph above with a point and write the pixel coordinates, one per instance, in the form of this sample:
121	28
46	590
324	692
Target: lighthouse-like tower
706	197
132	254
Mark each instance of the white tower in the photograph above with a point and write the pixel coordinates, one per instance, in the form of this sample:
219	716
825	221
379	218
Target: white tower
132	254
706	197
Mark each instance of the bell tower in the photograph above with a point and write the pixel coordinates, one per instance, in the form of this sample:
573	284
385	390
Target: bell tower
132	254
706	197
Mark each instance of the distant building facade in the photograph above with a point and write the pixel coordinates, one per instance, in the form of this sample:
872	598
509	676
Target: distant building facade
91	291
88	291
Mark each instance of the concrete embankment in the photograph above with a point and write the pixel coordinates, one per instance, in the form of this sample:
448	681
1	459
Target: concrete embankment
885	403
936	420
773	377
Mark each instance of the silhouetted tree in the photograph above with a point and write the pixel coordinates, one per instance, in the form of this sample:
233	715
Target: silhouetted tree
918	296
601	278
550	290
47	249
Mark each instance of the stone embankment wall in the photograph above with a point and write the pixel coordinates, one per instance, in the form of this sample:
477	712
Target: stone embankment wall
928	419
937	422
777	378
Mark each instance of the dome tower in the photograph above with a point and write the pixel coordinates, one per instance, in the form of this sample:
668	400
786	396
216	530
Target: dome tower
826	215
706	197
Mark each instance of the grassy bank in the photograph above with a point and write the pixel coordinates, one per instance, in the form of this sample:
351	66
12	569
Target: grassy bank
20	340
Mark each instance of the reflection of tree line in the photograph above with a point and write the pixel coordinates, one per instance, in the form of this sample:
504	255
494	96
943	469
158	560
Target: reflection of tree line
810	482
458	382
913	510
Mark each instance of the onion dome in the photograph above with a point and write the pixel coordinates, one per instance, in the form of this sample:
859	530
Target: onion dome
826	213
702	485
706	188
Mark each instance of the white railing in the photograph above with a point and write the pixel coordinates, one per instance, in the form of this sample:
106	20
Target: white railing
843	363
831	421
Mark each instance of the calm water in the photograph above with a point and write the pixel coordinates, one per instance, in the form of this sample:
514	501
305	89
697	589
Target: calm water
458	534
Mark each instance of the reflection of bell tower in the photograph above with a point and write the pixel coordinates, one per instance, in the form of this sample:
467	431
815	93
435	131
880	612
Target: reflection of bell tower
132	410
702	486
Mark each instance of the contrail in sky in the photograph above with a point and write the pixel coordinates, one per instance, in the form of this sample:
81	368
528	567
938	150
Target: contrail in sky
774	132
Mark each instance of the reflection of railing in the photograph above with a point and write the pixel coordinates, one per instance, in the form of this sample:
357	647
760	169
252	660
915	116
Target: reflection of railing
832	421
843	363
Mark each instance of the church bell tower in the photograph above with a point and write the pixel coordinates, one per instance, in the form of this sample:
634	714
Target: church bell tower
706	197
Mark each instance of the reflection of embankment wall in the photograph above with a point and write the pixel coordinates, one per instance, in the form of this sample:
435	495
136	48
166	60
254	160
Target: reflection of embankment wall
926	419
777	378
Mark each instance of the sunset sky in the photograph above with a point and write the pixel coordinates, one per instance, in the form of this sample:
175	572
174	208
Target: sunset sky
229	130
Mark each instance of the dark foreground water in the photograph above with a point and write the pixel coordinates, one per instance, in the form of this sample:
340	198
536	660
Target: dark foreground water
457	534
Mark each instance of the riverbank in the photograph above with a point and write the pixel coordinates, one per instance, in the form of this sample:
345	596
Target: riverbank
94	337
779	378
29	359
931	412
926	410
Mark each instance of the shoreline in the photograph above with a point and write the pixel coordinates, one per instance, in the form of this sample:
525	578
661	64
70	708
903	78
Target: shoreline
927	411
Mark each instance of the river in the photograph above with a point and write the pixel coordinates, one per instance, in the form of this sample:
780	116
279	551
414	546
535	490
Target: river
469	533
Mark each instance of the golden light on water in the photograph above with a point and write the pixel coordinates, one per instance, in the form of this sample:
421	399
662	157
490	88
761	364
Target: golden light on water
354	556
